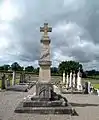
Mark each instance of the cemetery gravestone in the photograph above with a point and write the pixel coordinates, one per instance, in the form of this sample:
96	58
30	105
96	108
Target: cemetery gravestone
3	82
98	92
21	87
86	88
74	80
70	83
21	78
13	78
64	79
79	81
89	87
8	82
67	81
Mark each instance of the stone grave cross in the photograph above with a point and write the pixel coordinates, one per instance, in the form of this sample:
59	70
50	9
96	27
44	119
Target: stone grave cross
43	87
45	29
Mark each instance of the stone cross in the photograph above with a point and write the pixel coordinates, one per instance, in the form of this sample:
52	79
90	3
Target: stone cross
44	86
45	29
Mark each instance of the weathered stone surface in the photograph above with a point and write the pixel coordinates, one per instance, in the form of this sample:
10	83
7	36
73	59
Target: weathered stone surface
55	105
44	110
3	82
43	90
46	100
30	103
22	87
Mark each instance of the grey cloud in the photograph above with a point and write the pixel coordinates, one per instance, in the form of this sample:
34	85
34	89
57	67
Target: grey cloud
82	14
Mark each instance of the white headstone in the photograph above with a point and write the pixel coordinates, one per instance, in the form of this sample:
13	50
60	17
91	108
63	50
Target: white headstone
74	80
64	79
70	84
98	91
67	81
79	82
89	86
13	78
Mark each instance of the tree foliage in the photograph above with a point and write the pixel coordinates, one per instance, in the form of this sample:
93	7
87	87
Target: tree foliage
67	66
54	70
16	67
5	67
29	68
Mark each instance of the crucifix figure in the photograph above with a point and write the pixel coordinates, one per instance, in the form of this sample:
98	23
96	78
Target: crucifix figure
45	29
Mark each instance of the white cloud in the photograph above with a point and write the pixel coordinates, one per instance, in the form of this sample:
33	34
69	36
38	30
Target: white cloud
74	34
7	11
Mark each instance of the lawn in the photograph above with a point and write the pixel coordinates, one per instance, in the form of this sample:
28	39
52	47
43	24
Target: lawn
17	81
56	79
96	86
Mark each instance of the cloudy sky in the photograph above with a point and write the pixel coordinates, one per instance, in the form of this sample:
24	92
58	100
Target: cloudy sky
75	31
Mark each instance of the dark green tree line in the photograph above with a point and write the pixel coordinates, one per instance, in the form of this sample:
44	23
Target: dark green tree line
67	66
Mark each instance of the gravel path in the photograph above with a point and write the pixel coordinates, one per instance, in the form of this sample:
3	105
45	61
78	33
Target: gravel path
87	107
8	102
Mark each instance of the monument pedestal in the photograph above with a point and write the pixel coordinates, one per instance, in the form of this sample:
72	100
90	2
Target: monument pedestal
46	101
43	90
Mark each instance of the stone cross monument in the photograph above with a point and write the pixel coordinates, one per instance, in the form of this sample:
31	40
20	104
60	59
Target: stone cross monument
44	83
44	62
46	100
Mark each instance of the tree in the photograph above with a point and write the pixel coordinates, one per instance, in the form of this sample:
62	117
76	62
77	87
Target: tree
54	69
29	69
1	68
67	66
36	70
6	67
16	67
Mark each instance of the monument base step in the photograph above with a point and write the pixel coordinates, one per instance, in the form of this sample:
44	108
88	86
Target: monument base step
44	110
30	103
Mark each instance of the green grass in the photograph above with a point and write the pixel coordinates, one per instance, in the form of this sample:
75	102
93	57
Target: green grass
96	86
56	79
17	81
